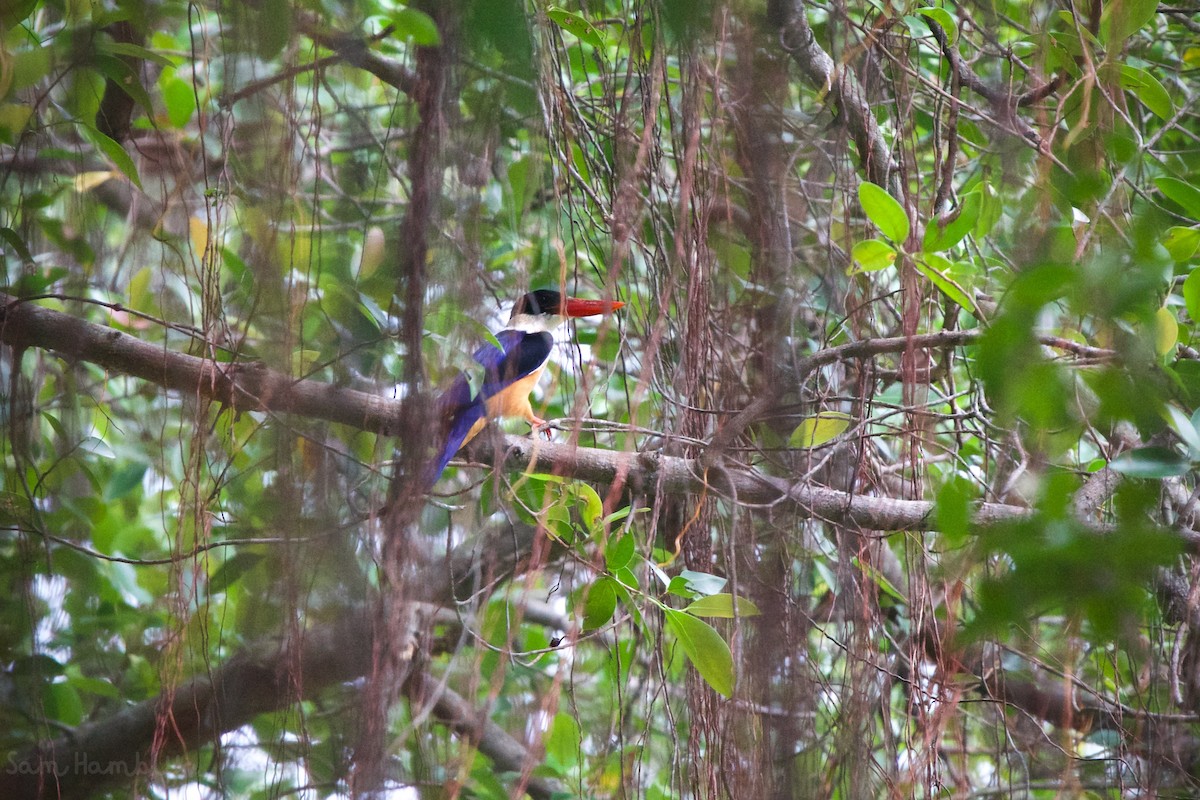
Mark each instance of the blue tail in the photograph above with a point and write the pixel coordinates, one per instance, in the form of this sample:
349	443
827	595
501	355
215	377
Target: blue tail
457	413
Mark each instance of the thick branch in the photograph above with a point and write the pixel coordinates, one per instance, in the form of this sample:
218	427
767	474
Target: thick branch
647	472
260	679
354	50
255	388
506	753
841	84
245	387
125	745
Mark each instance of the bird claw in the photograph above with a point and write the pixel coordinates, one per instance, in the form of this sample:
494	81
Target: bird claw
540	426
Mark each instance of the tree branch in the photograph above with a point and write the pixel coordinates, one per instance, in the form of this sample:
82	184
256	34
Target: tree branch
506	753
1003	105
255	388
841	84
244	387
650	472
128	744
259	679
356	53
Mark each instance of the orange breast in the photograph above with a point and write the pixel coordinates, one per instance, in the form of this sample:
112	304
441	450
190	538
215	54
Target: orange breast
513	401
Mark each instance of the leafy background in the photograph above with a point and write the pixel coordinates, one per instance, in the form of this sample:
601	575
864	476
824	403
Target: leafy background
885	474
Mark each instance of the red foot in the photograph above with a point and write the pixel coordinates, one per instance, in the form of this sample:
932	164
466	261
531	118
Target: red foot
540	425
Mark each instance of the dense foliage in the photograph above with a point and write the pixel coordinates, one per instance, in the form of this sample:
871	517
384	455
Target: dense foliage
881	483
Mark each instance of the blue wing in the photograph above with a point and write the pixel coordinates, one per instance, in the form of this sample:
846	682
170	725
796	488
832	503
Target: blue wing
522	353
458	411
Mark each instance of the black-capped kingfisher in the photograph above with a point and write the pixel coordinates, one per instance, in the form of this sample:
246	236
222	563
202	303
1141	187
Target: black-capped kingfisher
510	372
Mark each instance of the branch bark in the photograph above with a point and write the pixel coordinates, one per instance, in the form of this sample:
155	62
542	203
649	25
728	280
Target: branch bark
355	52
243	387
841	84
267	677
252	387
508	754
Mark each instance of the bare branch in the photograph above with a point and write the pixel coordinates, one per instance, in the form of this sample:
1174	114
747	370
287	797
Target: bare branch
841	84
256	388
259	679
354	51
647	472
244	387
1003	105
506	753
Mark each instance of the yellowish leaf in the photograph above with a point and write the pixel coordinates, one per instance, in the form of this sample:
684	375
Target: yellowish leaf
372	252
819	429
198	233
1166	331
86	181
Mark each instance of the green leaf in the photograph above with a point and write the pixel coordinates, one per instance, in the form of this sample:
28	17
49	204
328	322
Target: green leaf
880	580
929	265
272	25
1191	294
818	430
372	311
620	514
28	67
61	703
96	686
1182	243
655	569
954	510
1166	331
619	552
723	605
124	480
17	10
17	243
1183	427
97	447
943	19
942	237
126	78
871	256
136	51
679	587
37	282
418	26
233	568
581	163
601	603
575	25
1148	90
705	648
557	520
37	666
1185	194
626	578
593	506
180	101
1125	18
701	583
1150	462
562	743
13	119
114	152
885	211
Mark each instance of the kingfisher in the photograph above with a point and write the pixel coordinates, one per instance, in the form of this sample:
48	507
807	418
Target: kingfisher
510	371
